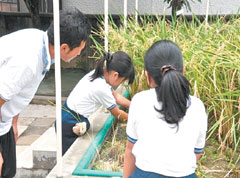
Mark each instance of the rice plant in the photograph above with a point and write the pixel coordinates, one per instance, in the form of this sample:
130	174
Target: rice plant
211	55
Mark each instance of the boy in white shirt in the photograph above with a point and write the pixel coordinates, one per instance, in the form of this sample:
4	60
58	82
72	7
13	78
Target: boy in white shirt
26	55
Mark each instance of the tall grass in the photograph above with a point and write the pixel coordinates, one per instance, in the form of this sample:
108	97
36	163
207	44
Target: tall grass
212	64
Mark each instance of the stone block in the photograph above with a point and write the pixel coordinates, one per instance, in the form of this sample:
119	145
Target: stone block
44	159
31	173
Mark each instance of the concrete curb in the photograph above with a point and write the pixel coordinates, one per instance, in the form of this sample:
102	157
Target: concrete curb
45	100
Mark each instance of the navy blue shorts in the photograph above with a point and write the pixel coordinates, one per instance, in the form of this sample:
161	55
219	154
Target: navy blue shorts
138	173
8	150
68	122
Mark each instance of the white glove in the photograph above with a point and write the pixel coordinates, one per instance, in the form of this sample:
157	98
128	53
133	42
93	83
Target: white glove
80	128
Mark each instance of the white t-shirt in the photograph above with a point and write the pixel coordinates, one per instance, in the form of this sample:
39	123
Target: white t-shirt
22	61
159	147
87	97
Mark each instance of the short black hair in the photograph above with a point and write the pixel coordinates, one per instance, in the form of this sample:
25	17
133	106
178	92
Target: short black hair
74	28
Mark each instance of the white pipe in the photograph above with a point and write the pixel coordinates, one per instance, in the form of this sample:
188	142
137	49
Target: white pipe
56	18
125	13
207	11
136	10
106	25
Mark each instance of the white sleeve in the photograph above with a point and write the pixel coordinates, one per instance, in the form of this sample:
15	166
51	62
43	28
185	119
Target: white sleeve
106	98
13	79
131	123
203	122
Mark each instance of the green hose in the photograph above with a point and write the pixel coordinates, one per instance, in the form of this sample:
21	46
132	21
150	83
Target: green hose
81	169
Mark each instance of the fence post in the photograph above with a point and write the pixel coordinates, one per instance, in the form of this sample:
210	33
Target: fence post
56	18
106	25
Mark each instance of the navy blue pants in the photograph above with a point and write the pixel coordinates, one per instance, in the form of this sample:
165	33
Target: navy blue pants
68	122
138	173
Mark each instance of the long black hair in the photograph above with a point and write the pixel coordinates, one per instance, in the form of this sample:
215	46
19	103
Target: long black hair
163	62
119	62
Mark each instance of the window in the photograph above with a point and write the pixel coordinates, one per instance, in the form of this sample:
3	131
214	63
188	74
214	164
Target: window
9	5
46	6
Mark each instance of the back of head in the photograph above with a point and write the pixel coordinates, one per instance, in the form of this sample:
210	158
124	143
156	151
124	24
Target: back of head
163	62
119	62
74	28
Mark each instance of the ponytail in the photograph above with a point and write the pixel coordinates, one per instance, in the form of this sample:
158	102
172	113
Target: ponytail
163	62
119	62
102	63
173	93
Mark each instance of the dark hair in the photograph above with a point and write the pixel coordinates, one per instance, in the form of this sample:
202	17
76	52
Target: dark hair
74	28
119	62
163	62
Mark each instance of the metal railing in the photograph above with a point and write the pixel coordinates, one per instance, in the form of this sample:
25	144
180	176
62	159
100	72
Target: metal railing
106	19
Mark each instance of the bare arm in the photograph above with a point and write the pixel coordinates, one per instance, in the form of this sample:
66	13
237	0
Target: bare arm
198	156
1	103
119	114
129	161
15	129
121	100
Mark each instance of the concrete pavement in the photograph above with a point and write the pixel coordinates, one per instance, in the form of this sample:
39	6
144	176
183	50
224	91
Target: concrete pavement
32	123
36	146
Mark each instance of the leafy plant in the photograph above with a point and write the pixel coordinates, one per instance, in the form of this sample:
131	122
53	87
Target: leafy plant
178	4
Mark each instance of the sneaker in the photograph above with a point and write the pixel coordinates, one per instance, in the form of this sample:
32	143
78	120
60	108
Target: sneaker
80	128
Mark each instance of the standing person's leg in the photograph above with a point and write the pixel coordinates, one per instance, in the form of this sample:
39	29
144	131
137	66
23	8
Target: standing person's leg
8	146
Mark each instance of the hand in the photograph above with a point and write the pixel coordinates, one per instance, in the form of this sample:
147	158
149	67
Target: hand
80	128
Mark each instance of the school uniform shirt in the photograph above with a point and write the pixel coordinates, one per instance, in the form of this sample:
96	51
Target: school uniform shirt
88	96
24	61
160	147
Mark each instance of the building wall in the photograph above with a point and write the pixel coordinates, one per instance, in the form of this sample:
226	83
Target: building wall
23	7
148	6
153	6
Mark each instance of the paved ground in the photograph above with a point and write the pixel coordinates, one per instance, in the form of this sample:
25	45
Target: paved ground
32	123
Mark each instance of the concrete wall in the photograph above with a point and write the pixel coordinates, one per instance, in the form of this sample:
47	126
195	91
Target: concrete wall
152	6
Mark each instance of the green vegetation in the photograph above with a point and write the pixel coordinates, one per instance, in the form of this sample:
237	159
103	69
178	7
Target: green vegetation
212	65
178	4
